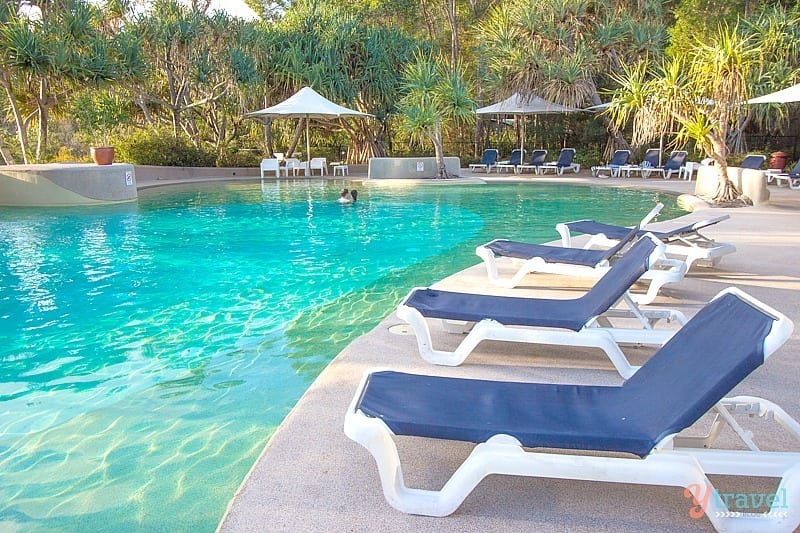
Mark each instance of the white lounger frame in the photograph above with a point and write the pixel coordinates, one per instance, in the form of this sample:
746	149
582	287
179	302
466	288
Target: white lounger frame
675	461
553	165
487	167
692	248
598	332
614	170
661	272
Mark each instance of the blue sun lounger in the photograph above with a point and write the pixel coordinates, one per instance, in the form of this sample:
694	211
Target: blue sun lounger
792	177
618	161
535	163
685	241
584	321
638	421
578	262
753	161
566	161
513	162
650	161
488	161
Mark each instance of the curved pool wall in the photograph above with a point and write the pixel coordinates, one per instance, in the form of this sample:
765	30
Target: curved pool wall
62	184
152	348
388	168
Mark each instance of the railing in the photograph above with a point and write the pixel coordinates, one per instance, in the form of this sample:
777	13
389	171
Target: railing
767	144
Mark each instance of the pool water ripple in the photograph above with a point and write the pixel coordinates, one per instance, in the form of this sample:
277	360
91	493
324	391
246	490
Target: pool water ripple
150	350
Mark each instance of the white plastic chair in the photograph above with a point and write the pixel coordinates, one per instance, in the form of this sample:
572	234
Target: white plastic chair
318	163
270	165
294	164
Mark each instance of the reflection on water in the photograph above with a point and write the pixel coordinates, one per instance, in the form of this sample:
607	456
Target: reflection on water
151	349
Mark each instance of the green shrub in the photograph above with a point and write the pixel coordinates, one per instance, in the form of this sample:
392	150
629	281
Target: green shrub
145	147
240	158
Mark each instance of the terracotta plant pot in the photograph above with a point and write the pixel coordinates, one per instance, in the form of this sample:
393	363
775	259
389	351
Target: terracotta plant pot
102	155
778	160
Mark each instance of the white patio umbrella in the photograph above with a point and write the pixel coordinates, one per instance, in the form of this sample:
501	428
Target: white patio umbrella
519	105
791	94
307	103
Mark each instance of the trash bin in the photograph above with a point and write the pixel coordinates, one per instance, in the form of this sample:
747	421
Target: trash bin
778	160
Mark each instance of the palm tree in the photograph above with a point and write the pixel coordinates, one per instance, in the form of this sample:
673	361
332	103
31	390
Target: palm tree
436	94
776	32
41	64
564	50
701	94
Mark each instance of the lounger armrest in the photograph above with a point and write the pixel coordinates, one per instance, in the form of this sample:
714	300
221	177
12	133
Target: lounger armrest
709	222
651	215
659	252
410	293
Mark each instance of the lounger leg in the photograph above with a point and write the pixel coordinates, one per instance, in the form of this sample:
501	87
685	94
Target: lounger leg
526	267
603	339
503	455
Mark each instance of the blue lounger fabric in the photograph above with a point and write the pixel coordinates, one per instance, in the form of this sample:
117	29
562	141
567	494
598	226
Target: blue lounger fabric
568	314
705	359
550	254
565	157
558	254
619	158
590	227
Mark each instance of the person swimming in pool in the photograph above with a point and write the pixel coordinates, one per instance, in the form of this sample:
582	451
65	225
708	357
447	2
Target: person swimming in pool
348	197
345	197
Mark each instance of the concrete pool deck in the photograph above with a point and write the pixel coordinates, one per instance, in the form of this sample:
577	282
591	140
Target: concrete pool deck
310	476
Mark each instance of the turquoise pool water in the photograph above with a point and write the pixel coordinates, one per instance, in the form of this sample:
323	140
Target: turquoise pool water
150	350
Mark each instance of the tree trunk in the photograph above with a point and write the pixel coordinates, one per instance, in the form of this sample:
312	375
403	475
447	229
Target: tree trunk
298	132
364	142
428	22
43	103
268	141
22	129
455	47
616	141
436	137
726	190
736	138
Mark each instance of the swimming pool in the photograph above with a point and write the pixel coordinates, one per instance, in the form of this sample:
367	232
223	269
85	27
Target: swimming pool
150	350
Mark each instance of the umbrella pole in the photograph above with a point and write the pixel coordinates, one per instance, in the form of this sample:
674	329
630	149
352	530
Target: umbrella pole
308	151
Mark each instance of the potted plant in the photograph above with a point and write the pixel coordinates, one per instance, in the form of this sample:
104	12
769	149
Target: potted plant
94	114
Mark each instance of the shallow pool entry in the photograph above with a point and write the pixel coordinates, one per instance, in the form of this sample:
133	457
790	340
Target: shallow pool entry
150	350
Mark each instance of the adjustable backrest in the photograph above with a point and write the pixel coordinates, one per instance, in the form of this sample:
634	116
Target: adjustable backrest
620	158
703	362
622	275
676	160
489	157
516	157
565	157
651	157
269	164
538	157
753	161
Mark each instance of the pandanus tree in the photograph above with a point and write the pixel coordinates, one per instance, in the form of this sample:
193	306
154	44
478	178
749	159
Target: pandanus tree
349	59
41	63
701	94
776	34
564	50
436	96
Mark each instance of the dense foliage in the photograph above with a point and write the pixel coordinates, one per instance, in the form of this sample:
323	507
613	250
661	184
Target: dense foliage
174	76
